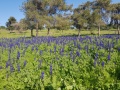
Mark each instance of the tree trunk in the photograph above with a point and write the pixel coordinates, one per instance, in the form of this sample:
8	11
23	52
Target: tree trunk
118	30
36	29
87	28
48	31
99	30
31	32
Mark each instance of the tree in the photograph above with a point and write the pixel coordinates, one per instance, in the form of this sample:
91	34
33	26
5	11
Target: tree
80	17
44	11
2	27
63	22
11	21
32	16
114	10
99	8
96	19
23	24
15	26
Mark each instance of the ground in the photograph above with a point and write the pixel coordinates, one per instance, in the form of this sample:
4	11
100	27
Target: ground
15	33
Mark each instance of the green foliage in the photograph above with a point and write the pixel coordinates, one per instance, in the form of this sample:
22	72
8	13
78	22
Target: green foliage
11	21
70	70
42	13
2	27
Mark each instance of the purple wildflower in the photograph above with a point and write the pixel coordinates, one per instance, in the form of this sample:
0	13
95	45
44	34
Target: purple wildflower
50	51
79	46
77	53
32	48
7	64
11	68
18	67
51	69
109	57
103	63
96	56
0	67
42	75
36	49
25	62
18	55
41	52
86	48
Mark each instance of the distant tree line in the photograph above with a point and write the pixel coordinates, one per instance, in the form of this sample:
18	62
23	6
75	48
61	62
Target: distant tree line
56	14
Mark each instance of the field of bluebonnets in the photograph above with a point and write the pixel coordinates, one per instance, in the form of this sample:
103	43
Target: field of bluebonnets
60	63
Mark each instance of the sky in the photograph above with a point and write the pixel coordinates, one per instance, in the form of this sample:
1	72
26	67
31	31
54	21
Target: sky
12	8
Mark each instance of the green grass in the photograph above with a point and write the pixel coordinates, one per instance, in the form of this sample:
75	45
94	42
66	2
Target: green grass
75	63
15	34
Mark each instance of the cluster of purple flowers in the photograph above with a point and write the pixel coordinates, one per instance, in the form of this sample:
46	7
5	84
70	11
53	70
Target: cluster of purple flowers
73	51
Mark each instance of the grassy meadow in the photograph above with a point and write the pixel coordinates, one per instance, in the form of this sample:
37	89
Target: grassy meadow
15	33
68	62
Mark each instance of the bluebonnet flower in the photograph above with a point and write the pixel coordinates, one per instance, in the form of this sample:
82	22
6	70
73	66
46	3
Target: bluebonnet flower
11	68
51	69
79	46
109	57
96	56
103	63
10	45
36	49
77	53
61	51
41	52
75	43
119	49
32	48
42	75
18	55
50	51
0	67
86	48
101	44
25	62
7	63
18	67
